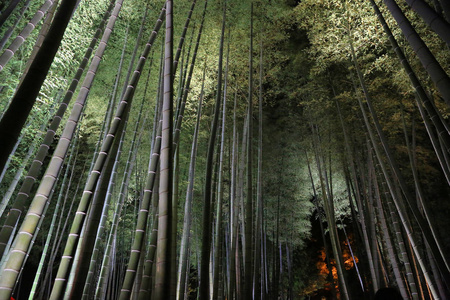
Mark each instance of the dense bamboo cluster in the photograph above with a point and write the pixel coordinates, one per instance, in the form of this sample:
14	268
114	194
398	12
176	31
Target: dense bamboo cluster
263	162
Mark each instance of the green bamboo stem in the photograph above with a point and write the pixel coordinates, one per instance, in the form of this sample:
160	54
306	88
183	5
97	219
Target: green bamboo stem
130	162
164	249
387	238
101	228
330	214
184	247
123	105
85	249
220	190
23	35
258	285
6	13
106	263
324	240
10	30
428	60
54	217
424	104
434	245
183	37
179	116
233	207
206	234
24	163
133	55
151	190
135	78
62	147
40	39
248	261
35	168
398	204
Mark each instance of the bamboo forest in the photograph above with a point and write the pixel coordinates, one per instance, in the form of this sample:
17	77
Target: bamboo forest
225	149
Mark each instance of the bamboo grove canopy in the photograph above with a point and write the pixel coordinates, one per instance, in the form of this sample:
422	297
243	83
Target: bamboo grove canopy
224	149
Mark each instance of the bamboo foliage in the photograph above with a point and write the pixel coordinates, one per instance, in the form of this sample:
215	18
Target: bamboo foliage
90	232
42	33
22	102
429	62
206	219
7	11
10	30
185	245
100	161
430	113
129	242
8	54
38	161
38	204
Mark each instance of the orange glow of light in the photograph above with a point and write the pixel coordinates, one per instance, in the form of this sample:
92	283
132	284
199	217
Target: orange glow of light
348	264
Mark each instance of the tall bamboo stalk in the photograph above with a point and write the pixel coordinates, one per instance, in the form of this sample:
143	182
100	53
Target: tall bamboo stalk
69	167
20	39
206	219
164	249
33	216
41	36
184	247
248	260
220	194
38	161
430	237
10	30
424	104
429	62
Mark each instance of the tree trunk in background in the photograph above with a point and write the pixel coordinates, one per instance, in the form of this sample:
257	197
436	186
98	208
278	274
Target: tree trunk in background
446	9
387	239
258	277
322	231
145	290
232	286
218	243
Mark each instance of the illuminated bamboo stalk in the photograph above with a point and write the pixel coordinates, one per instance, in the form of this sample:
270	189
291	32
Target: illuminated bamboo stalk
23	35
206	219
10	30
41	36
38	161
184	247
